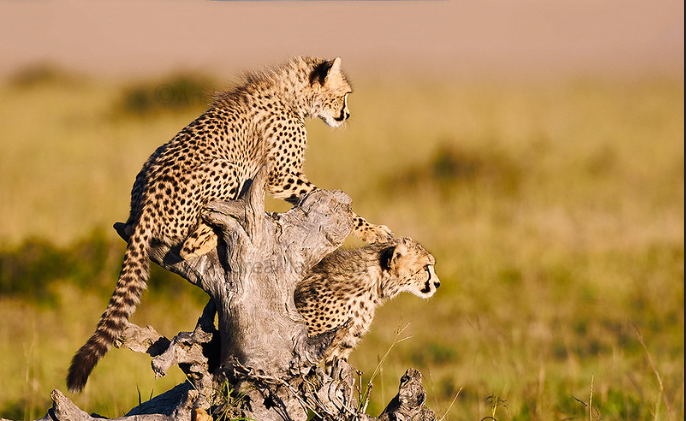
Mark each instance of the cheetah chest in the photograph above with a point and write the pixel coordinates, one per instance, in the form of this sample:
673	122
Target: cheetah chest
333	310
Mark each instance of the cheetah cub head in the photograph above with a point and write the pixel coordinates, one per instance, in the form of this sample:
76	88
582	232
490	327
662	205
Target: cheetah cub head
410	268
330	93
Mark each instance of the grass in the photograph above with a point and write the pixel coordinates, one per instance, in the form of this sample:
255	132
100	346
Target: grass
555	211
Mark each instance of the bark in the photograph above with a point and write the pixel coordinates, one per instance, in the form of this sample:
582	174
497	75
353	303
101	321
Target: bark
257	362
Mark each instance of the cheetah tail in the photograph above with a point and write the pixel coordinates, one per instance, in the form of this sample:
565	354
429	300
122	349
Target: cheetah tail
126	295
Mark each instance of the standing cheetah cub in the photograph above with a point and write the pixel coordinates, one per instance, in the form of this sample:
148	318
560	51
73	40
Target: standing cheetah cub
350	284
259	122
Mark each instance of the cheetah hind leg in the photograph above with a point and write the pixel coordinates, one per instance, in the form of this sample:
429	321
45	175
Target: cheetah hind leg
201	241
370	233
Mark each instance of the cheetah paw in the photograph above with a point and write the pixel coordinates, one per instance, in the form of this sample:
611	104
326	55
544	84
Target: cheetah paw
372	234
192	249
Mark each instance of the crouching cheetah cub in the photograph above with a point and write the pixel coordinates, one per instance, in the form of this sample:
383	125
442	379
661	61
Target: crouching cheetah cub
348	285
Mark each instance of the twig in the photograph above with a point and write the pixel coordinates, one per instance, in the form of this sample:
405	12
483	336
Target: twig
248	373
359	385
368	395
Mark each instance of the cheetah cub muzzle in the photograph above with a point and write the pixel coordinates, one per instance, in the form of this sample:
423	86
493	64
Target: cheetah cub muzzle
348	285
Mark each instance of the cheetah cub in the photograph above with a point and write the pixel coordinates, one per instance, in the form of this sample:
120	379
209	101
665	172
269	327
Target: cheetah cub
350	284
261	121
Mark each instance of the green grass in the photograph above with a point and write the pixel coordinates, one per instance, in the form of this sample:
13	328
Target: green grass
555	211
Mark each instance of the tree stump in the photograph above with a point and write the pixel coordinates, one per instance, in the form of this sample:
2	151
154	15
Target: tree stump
257	362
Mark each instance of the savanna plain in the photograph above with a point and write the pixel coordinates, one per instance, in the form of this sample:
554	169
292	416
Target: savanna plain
555	210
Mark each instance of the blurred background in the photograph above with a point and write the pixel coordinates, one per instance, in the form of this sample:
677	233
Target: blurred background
534	146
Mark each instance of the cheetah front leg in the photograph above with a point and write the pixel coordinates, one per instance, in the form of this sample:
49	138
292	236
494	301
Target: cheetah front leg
293	186
370	233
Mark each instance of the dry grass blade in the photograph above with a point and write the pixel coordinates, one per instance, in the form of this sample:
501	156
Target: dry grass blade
657	376
447	411
396	340
590	400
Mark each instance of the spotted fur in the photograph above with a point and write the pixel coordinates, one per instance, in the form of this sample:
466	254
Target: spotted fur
261	121
348	285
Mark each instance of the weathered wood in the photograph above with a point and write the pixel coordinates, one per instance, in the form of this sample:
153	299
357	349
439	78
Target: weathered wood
63	409
267	255
260	347
408	404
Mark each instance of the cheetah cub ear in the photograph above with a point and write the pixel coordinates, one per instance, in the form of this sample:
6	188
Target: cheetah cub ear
398	253
327	73
335	67
391	257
